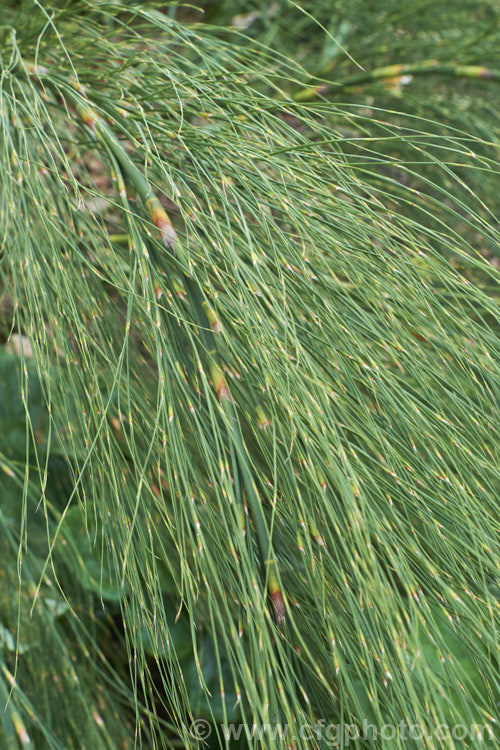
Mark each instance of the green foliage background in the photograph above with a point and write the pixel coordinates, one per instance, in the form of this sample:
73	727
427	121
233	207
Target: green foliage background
305	384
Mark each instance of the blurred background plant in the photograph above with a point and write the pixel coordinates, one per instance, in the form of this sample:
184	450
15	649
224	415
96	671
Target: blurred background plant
249	370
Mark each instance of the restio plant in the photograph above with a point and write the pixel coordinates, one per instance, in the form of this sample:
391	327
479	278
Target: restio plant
249	374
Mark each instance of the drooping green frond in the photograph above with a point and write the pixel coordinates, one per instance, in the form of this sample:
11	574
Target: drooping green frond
255	469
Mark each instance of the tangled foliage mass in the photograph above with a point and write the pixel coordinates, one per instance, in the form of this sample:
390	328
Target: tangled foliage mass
249	370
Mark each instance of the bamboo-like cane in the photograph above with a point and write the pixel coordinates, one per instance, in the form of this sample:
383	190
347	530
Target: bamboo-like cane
390	72
208	326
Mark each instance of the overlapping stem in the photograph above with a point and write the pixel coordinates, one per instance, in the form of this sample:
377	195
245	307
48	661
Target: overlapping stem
390	72
75	95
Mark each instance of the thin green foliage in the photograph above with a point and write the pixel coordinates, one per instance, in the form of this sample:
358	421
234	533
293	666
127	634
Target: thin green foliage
258	366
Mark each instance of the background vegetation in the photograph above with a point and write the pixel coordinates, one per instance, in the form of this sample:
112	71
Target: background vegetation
249	370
